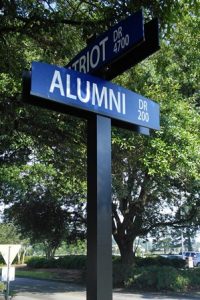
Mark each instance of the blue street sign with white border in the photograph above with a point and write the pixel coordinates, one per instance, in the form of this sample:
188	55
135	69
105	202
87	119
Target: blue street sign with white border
111	45
83	91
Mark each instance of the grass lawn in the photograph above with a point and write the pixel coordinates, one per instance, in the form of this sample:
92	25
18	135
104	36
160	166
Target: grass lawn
35	274
65	275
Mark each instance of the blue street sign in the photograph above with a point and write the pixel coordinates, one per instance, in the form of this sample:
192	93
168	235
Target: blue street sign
86	92
111	45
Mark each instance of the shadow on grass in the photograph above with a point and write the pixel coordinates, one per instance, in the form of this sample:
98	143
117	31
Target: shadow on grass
22	285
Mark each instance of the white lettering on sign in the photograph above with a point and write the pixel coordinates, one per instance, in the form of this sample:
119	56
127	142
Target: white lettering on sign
120	41
86	94
99	97
57	82
117	34
89	92
92	58
68	88
143	114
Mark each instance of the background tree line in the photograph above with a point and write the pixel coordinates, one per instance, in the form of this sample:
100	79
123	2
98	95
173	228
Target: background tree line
43	161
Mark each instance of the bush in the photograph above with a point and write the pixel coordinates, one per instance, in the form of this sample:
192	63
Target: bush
121	273
36	262
116	259
67	262
2	287
72	262
193	276
160	261
157	278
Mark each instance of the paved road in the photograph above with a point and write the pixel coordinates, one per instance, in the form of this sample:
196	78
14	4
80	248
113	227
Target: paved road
29	289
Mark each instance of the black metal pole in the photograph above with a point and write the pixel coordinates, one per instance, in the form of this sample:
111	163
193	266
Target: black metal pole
99	209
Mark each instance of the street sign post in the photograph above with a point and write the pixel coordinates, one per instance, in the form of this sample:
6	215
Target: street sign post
94	95
102	102
71	90
9	253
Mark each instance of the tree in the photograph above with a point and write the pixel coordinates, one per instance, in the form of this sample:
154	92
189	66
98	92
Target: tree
154	178
42	220
10	235
176	239
46	210
39	149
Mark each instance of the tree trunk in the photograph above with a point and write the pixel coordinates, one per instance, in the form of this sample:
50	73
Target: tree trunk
18	258
23	256
189	242
49	250
125	245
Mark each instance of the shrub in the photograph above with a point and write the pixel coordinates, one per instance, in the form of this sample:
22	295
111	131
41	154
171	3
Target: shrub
2	287
193	276
72	262
37	262
160	261
157	278
116	259
68	262
121	273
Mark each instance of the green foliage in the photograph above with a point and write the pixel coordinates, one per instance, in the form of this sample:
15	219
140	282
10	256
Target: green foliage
2	287
37	219
41	262
73	262
68	262
9	234
35	274
160	261
157	279
121	274
77	248
193	277
125	274
155	178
